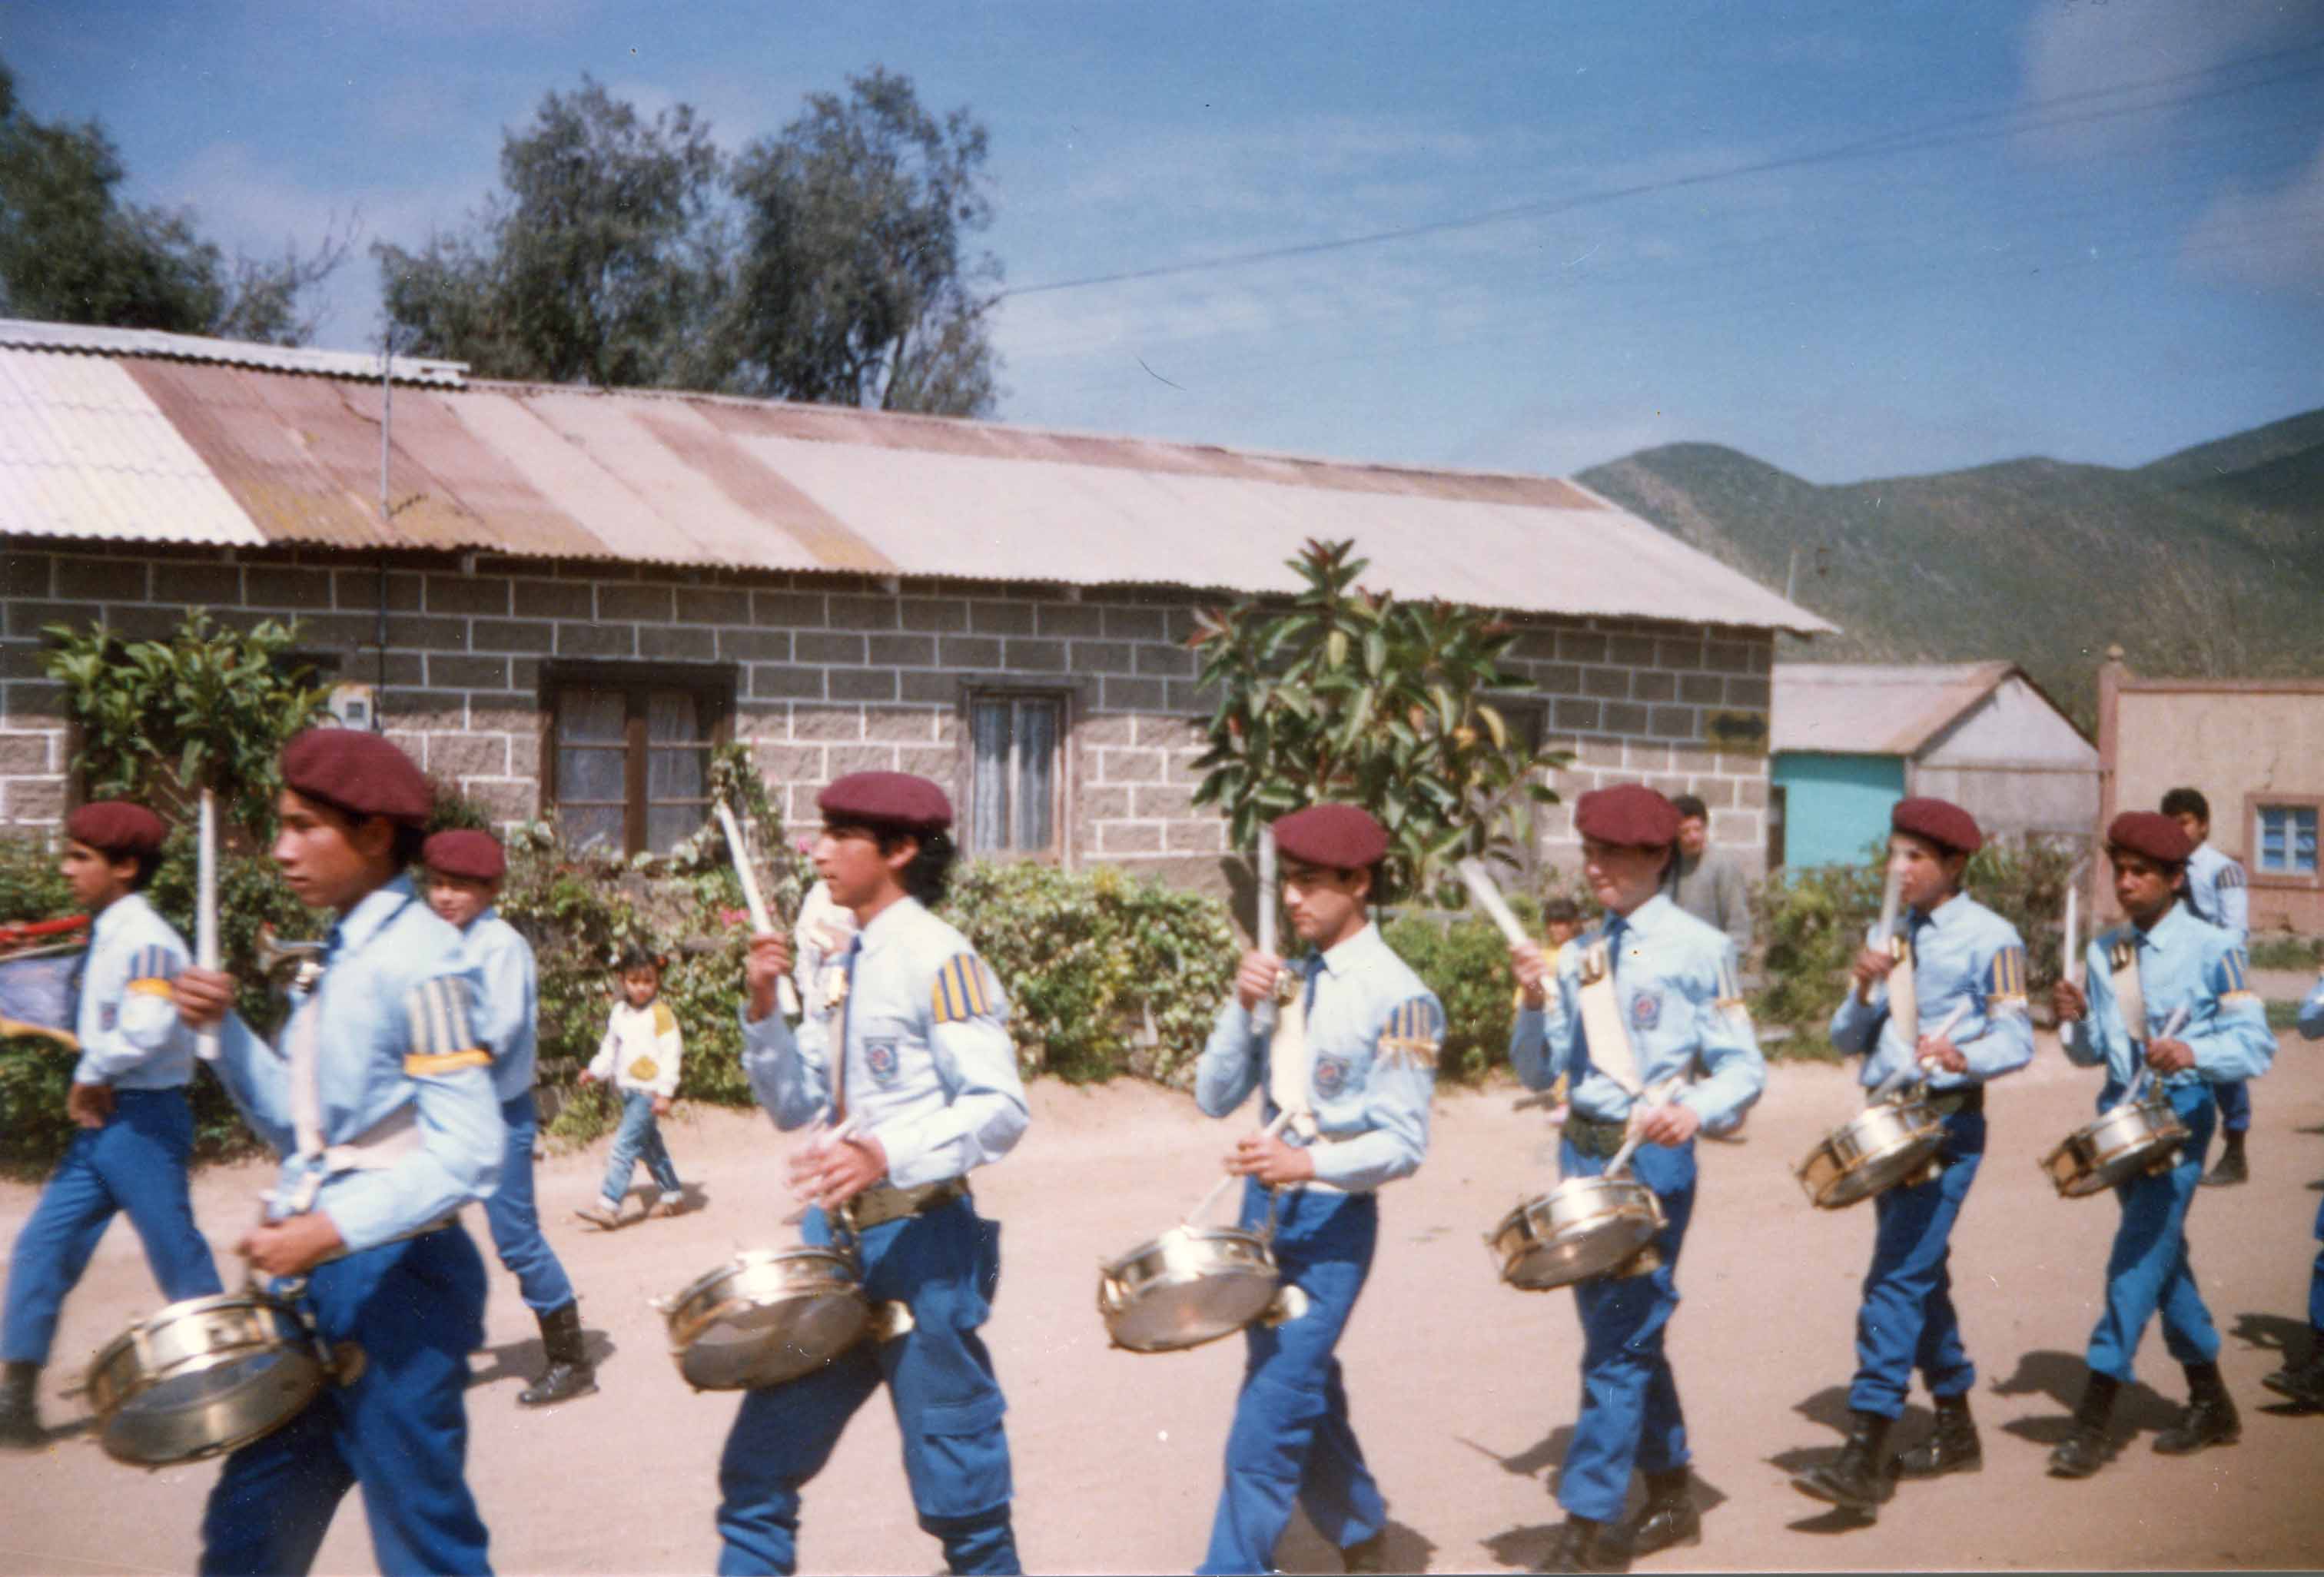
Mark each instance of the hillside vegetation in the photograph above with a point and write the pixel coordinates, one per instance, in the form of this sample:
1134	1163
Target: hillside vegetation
2210	561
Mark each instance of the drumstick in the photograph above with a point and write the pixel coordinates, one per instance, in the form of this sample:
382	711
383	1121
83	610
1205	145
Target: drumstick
1270	1131
1654	1097
785	994
1262	1012
1904	1075
2070	967
206	921
846	1127
1487	894
1891	898
2175	1023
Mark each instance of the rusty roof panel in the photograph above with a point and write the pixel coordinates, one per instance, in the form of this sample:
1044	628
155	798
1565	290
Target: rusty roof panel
463	494
759	496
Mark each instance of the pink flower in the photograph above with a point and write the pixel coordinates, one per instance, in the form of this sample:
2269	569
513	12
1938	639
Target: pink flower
806	846
733	916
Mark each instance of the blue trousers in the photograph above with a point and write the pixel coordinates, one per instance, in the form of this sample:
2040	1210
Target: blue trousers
1630	1415
2235	1105
1291	1442
515	1219
639	1139
2148	1269
1907	1320
946	1266
136	1163
400	1431
2316	1276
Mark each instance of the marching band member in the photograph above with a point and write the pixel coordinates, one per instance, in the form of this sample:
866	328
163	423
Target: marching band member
2173	962
381	1103
913	1063
2303	1382
128	1095
2215	894
464	878
1355	1094
1673	983
1964	956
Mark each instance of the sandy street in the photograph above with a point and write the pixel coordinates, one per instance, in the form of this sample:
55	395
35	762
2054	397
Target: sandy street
1462	1390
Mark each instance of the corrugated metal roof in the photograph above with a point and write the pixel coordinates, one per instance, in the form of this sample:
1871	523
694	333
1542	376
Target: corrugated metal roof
23	333
1879	709
706	480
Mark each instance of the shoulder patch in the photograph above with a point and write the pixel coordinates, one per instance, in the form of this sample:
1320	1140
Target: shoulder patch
2231	976
961	990
664	1019
1414	1033
1730	989
441	1037
2231	874
2004	978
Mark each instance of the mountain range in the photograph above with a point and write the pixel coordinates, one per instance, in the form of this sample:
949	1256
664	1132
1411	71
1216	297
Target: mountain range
2206	563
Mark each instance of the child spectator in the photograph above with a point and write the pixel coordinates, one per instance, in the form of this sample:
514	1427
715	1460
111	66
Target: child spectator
640	1057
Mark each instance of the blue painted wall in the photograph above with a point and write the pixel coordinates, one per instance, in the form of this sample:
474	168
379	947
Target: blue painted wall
1834	806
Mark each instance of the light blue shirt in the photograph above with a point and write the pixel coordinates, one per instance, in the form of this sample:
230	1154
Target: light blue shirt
2312	1011
929	1069
2216	891
130	1036
1373	1029
1962	953
2181	962
396	1050
508	1004
1675	980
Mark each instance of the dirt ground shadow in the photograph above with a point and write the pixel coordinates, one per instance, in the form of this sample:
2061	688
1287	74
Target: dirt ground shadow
2139	1409
1522	1547
524	1360
1829	1407
1302	1549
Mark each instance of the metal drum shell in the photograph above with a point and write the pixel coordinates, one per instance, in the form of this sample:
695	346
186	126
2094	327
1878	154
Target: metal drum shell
789	1311
204	1338
1882	1146
2125	1142
1583	1227
1185	1287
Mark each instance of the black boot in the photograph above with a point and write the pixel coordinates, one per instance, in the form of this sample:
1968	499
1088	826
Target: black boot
2084	1451
569	1373
1584	1545
2302	1382
1951	1448
1670	1518
2211	1417
2232	1168
20	1408
1860	1478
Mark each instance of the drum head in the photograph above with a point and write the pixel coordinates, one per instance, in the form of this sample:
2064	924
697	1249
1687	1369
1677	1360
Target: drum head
751	1345
203	1412
1170	1316
1577	1256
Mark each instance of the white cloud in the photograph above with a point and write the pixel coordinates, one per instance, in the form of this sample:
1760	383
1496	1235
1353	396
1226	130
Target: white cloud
2268	238
2084	47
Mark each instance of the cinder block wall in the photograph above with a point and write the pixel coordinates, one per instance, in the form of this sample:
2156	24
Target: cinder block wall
835	674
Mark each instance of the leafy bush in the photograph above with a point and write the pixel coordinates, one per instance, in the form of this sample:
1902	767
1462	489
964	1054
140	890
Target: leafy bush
2287	952
1465	960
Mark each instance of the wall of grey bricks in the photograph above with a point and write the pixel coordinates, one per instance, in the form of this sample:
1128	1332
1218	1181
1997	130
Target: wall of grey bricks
835	674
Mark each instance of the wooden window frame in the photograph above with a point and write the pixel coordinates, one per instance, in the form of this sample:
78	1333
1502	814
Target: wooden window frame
716	683
1065	697
2280	880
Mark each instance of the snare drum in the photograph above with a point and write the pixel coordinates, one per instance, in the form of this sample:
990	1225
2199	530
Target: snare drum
1888	1143
767	1316
204	1376
1583	1227
2128	1141
1190	1286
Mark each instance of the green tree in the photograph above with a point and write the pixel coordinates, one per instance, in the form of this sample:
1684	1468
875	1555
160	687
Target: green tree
1349	694
71	252
854	283
597	262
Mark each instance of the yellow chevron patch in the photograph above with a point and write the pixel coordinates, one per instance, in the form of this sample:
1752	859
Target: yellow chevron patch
425	1064
960	991
149	988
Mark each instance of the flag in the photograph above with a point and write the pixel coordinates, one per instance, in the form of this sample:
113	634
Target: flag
37	992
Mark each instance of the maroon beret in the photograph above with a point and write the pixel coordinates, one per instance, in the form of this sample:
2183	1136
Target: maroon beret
1338	838
1629	814
358	772
116	827
890	798
465	852
2152	834
1940	821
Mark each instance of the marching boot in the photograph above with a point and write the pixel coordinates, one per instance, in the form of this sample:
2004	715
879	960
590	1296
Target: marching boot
1860	1478
1951	1448
20	1407
2302	1382
2232	1168
2211	1417
569	1373
2084	1451
1670	1518
1582	1544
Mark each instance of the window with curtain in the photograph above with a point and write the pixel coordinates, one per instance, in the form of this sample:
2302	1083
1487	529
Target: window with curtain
1013	789
633	758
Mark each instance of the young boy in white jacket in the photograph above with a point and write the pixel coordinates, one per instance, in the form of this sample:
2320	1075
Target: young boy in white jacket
640	1056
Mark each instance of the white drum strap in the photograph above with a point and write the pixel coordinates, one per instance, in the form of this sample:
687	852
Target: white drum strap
1601	1020
1291	1065
2122	961
394	1138
1903	997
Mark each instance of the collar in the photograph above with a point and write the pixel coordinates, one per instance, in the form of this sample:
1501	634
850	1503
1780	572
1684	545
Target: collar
889	923
120	912
370	917
1643	919
2161	934
1351	951
489	912
1953	907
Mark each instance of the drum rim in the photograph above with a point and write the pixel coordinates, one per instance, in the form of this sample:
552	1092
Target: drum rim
680	1349
757	1259
312	1378
1114	1268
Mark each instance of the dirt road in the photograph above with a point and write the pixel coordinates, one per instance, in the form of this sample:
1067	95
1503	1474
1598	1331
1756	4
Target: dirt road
1463	1391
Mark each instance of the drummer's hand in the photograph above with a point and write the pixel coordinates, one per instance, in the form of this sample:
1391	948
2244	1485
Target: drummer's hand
204	996
829	1175
291	1246
769	961
661	1105
1533	972
1871	966
2170	1056
1256	978
90	1104
1671	1124
2067	1001
1941	1050
1265	1156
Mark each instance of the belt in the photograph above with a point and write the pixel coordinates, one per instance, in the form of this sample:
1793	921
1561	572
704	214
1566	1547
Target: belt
884	1201
1594	1136
1959	1097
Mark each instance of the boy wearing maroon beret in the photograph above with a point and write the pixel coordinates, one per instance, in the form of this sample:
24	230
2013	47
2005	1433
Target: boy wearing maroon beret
128	1096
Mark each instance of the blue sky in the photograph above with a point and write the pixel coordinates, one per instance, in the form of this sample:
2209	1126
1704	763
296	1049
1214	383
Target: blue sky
1853	239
